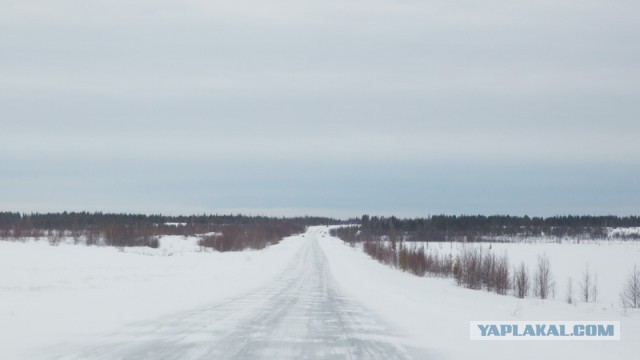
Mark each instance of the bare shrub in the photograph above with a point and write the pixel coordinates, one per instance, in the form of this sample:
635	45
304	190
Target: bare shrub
543	284
57	238
380	252
501	278
586	285
521	281
630	296
439	265
124	235
457	270
488	271
418	261
92	237
569	291
412	260
476	269
471	267
402	255
253	236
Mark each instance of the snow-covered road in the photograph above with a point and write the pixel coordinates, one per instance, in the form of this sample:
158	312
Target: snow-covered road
302	313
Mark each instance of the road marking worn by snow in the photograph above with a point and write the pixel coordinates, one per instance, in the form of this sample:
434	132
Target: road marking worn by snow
301	314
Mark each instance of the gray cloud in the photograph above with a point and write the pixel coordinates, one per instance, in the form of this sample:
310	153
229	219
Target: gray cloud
335	107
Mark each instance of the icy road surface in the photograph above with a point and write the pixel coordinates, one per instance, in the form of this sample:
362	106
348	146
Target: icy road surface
301	314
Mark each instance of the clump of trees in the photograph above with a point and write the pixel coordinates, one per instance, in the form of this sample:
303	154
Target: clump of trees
471	228
122	230
476	269
472	268
398	255
123	235
439	264
412	260
379	251
257	236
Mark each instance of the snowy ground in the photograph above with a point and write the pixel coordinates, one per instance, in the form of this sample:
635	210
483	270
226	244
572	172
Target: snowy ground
436	313
610	260
60	294
309	296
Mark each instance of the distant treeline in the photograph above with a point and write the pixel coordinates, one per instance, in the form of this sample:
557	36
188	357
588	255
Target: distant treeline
234	232
251	236
480	227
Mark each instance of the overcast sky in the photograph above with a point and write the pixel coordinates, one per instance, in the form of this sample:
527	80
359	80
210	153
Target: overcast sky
335	107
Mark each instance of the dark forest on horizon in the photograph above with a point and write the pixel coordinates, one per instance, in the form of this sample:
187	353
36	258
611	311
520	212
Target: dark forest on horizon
482	227
121	229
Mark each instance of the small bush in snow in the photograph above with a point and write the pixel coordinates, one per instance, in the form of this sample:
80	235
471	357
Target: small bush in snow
521	281
569	295
543	285
501	278
630	296
586	286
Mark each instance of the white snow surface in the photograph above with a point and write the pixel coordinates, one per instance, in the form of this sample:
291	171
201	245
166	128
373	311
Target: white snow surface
610	260
436	314
57	294
285	301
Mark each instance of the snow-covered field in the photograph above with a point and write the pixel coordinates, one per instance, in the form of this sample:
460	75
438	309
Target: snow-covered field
55	294
435	314
610	260
308	295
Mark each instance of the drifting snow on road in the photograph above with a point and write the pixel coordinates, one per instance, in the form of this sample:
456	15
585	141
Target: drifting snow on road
301	314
